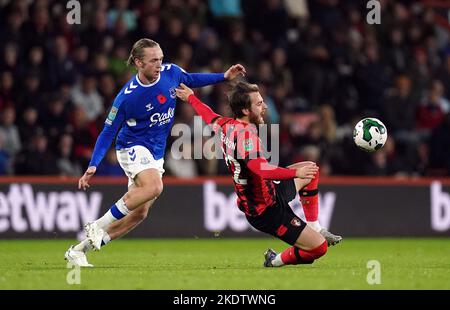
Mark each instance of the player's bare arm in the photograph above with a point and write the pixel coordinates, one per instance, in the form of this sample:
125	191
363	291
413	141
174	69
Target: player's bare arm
307	171
234	72
83	183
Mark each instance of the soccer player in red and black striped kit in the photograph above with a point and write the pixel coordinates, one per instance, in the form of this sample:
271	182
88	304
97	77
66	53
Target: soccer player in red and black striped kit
264	190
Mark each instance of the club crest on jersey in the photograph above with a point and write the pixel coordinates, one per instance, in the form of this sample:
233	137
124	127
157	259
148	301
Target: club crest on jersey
161	99
295	222
173	93
111	116
248	145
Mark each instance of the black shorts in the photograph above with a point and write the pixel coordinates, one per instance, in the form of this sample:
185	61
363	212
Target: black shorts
279	220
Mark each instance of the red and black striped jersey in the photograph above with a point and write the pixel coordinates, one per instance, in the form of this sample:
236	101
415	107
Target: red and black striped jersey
240	143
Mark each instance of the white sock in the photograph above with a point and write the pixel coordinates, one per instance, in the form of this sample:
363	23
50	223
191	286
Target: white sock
315	225
106	239
120	204
109	218
277	262
105	220
84	246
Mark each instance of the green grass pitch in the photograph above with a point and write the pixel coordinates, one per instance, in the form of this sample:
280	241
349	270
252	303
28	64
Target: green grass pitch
225	264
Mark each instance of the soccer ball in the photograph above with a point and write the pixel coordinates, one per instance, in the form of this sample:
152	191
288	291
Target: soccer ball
370	134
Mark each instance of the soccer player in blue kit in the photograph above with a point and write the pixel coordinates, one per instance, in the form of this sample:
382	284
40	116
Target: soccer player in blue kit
143	114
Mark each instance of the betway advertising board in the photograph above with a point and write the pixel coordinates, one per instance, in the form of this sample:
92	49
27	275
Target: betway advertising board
49	208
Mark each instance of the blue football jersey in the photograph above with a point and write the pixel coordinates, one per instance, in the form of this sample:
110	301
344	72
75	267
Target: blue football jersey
144	114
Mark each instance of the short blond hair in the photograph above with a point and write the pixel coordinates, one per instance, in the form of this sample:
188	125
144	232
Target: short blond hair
137	52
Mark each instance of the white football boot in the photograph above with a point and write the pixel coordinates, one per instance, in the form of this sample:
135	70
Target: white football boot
94	235
77	258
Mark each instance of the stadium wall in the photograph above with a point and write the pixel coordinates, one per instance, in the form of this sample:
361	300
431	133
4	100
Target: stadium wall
206	207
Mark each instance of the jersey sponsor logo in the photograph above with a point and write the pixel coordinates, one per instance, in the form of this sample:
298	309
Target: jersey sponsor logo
248	145
162	118
111	116
130	88
161	99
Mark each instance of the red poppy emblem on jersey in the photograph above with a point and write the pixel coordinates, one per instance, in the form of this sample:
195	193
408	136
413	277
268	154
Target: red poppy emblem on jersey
161	99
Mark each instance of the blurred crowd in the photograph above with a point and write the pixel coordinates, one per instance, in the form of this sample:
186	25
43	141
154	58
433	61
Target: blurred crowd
320	67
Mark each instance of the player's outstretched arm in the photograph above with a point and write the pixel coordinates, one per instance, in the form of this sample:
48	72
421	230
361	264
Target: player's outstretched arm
203	79
83	183
113	122
261	167
186	94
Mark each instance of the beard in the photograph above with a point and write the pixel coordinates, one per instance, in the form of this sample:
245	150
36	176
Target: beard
256	119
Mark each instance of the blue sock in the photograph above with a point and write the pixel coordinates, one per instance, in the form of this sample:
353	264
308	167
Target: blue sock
116	212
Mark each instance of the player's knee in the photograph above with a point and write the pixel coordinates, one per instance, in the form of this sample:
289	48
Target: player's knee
158	189
154	189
